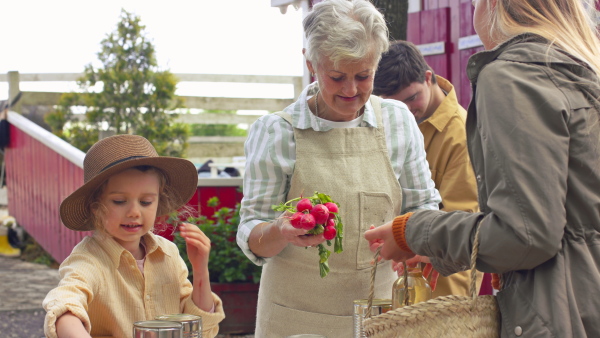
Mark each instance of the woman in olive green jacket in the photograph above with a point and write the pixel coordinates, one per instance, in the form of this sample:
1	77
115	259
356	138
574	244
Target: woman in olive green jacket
534	139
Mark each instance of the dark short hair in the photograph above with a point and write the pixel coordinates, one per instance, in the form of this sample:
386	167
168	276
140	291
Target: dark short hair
400	66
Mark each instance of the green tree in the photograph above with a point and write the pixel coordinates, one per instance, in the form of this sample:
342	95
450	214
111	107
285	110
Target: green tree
217	129
135	96
396	16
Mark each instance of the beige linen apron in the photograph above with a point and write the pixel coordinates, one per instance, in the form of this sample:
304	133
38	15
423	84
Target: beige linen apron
352	166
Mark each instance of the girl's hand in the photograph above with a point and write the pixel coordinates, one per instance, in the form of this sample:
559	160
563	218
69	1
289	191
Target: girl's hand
297	237
198	250
384	237
198	246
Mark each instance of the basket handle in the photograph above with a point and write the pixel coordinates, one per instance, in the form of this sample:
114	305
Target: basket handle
472	285
372	286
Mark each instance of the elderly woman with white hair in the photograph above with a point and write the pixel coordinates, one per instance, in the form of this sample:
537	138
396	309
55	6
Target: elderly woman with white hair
366	153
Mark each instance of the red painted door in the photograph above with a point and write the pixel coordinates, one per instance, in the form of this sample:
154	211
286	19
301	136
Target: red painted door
430	31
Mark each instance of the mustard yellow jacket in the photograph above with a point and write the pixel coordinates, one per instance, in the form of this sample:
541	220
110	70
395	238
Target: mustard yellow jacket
445	139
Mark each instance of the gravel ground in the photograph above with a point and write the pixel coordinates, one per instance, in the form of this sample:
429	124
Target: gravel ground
22	324
23	286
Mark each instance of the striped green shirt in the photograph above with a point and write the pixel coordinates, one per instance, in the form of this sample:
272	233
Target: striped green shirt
271	155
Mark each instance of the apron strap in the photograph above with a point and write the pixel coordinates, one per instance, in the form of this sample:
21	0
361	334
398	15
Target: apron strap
376	103
285	115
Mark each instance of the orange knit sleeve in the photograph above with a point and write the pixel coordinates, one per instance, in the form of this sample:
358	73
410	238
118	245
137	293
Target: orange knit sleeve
496	281
399	230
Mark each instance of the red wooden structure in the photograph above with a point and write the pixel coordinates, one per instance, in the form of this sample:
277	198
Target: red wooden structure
42	169
37	179
444	31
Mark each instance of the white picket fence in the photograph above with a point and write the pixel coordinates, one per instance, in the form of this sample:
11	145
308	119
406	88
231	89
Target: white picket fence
227	146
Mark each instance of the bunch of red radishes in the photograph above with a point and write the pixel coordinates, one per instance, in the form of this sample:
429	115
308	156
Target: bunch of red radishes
308	216
318	214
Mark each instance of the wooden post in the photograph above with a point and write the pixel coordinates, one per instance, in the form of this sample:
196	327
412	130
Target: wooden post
298	86
13	90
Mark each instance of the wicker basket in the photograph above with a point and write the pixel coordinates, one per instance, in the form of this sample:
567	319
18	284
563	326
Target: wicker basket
446	316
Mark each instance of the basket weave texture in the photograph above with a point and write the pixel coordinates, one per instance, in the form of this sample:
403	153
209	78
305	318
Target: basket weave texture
445	316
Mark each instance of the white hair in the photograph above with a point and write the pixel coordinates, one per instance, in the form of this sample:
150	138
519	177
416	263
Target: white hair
345	30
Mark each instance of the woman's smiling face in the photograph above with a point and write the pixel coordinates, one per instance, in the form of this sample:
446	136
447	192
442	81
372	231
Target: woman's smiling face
344	89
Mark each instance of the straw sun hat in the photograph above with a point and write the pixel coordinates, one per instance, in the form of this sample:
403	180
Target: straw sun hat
115	154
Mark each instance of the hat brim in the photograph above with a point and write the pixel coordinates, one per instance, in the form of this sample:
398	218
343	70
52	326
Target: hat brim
181	178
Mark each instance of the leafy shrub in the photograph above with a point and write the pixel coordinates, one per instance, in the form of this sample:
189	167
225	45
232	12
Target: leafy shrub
227	263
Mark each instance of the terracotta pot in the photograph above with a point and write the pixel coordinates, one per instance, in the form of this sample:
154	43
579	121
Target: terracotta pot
239	303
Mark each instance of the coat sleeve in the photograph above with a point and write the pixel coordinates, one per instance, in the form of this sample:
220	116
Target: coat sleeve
522	124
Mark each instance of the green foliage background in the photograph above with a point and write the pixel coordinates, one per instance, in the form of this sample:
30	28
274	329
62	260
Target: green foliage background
217	129
227	263
134	99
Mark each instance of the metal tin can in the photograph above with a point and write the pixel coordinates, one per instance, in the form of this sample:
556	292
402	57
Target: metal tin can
192	325
157	329
378	306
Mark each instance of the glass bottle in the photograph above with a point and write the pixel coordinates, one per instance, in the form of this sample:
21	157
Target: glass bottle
418	289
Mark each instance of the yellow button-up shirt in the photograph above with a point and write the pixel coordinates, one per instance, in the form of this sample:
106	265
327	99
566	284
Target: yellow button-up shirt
445	141
102	285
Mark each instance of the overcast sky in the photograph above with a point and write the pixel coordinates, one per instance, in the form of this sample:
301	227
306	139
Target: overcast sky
202	36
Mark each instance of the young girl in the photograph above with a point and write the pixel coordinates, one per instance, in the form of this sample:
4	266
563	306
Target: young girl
124	273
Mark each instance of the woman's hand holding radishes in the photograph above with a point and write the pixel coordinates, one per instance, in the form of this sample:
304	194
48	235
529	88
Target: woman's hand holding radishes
319	219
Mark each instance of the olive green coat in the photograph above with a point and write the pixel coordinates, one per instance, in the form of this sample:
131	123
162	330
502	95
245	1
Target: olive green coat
533	137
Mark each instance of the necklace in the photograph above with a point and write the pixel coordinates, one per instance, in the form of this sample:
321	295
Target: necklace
317	109
317	105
